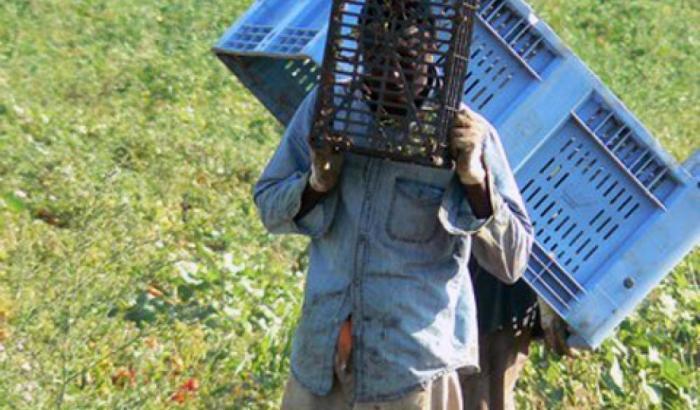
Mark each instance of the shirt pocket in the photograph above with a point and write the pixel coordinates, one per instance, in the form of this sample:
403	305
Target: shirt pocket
413	213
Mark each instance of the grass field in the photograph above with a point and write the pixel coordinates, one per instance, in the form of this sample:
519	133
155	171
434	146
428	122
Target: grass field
134	272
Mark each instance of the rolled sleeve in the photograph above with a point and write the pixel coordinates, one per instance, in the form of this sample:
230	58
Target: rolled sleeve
278	191
502	242
457	215
318	220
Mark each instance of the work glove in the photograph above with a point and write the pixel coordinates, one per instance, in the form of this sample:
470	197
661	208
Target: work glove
555	330
326	164
467	146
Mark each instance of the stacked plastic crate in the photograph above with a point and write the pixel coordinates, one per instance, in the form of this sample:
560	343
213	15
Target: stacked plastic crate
613	212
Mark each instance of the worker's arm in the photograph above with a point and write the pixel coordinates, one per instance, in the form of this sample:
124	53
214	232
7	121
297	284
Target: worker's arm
283	194
309	199
484	202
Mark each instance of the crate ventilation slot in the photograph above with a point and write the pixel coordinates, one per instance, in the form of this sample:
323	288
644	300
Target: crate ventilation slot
519	34
636	158
489	74
292	40
544	273
248	37
560	228
303	72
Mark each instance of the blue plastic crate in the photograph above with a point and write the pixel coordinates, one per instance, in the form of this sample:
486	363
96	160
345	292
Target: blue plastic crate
613	212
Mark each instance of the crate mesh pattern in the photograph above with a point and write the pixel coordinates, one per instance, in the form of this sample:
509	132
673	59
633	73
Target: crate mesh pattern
393	76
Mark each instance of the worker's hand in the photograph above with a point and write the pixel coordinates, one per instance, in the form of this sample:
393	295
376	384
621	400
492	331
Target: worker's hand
555	330
467	147
325	168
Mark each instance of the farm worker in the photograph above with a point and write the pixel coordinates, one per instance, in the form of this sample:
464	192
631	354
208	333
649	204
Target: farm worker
389	314
510	317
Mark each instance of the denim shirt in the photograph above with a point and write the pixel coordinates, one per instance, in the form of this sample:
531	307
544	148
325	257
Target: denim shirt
390	245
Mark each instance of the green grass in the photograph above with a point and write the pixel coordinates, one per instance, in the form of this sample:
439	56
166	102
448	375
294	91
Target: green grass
131	255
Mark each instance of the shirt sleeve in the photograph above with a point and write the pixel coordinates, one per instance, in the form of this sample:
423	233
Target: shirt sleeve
278	191
502	242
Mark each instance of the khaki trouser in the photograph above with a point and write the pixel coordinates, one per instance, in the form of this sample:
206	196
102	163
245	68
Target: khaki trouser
442	394
502	355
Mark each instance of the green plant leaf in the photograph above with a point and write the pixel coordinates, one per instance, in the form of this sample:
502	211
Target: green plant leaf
616	374
14	202
651	394
671	371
